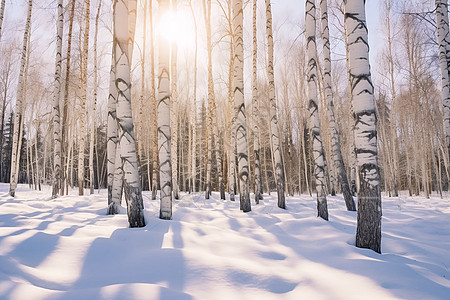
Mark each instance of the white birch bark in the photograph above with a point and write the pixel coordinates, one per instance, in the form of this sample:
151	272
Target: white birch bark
82	112
2	13
194	108
165	167
57	173
274	130
155	108
318	153
18	118
335	141
174	113
256	113
232	114
124	21
94	104
442	23
368	232
238	94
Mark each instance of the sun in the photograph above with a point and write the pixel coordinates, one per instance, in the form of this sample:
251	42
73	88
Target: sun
177	27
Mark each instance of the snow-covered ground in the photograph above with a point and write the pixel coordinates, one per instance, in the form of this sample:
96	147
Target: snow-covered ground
68	248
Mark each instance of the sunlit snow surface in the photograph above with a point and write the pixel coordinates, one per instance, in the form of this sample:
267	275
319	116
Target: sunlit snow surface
68	248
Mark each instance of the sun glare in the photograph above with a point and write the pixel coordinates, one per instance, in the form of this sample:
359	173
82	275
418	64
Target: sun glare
177	27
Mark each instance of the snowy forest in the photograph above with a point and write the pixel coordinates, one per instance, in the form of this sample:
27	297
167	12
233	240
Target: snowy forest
208	125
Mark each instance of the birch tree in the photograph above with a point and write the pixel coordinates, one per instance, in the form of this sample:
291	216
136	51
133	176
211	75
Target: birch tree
444	62
256	113
335	140
65	121
213	137
18	117
194	108
94	104
154	102
165	167
238	94
274	130
368	231
318	153
124	14
174	113
82	112
56	187
2	13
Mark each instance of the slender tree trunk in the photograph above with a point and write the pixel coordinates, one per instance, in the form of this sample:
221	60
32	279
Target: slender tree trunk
94	105
256	113
194	108
2	13
238	94
155	108
318	153
174	114
368	232
335	141
65	122
275	132
82	123
165	167
18	118
56	110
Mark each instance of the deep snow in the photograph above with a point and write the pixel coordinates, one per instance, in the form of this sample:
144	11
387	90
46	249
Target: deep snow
67	248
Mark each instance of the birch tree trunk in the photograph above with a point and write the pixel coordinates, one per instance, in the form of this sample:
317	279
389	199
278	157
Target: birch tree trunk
94	105
194	108
444	62
274	130
232	114
2	13
56	187
318	153
335	141
174	113
83	74
368	232
65	122
238	94
124	25
256	116
165	167
155	108
18	117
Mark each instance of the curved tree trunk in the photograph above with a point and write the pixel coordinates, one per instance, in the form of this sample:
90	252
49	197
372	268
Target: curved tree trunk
56	186
335	141
274	130
318	154
238	93
165	167
368	231
18	117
